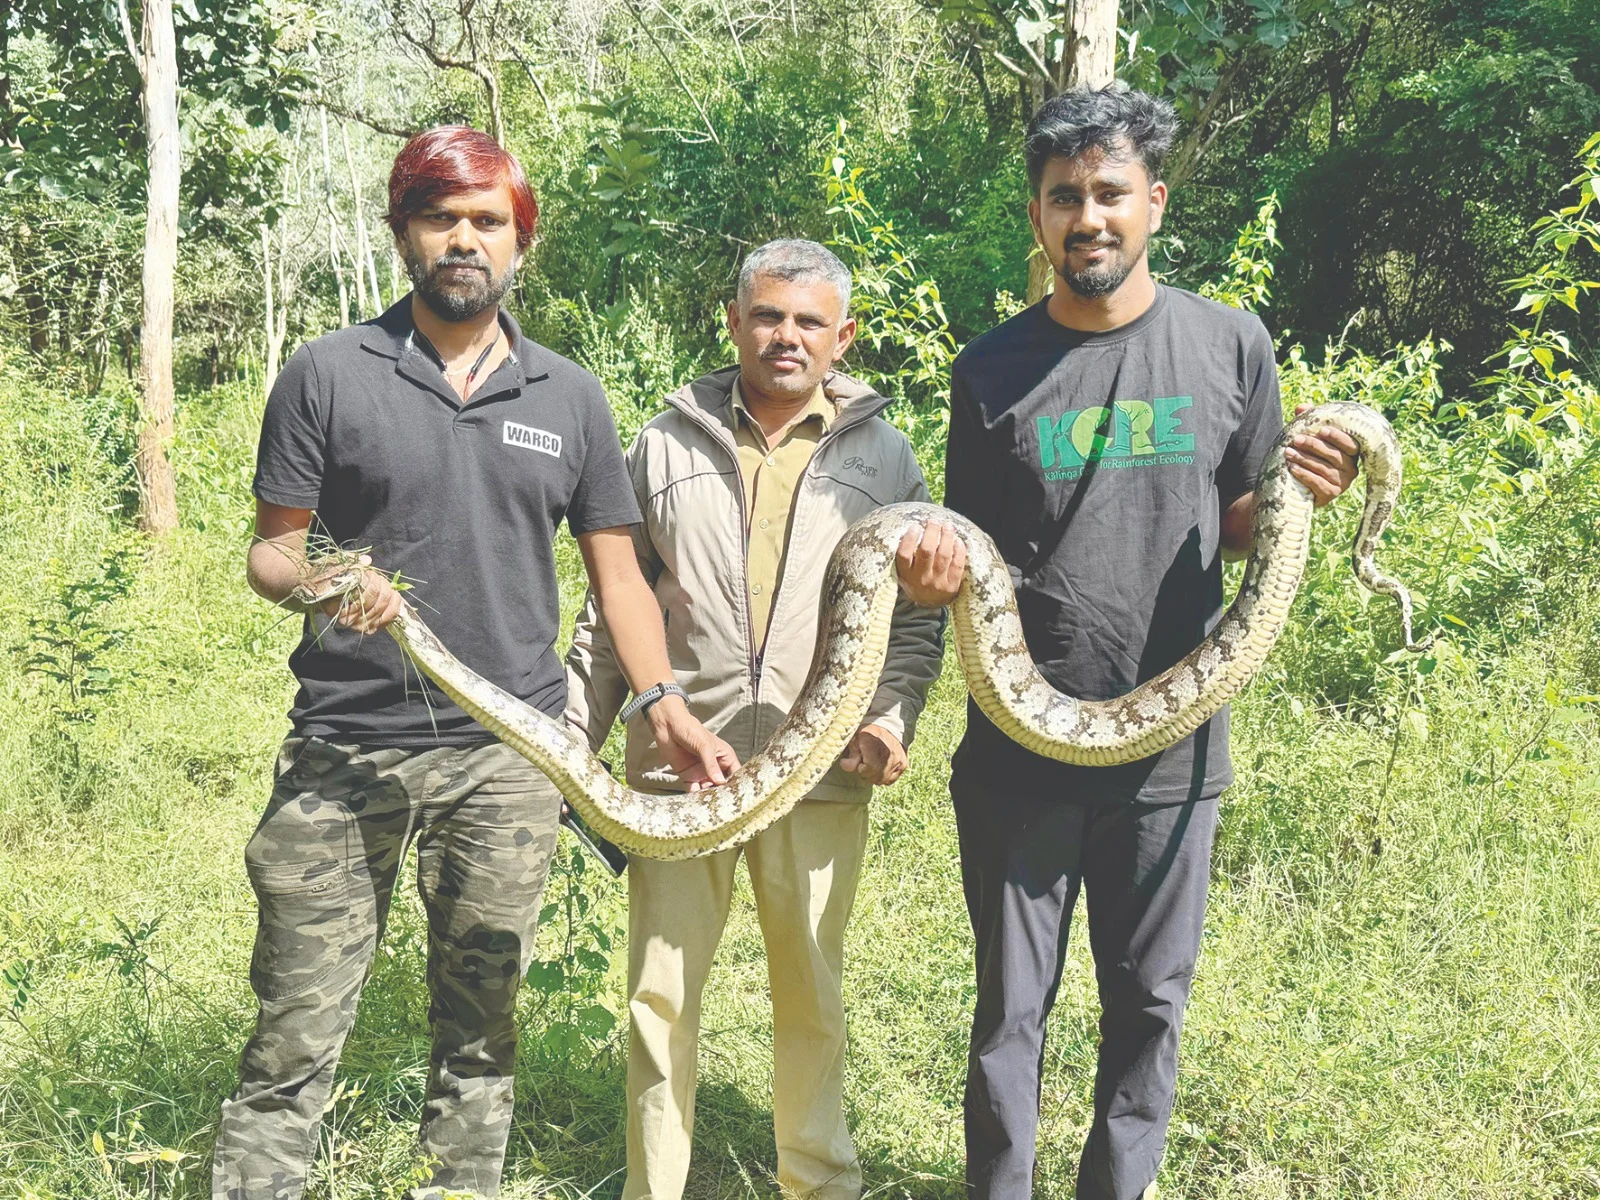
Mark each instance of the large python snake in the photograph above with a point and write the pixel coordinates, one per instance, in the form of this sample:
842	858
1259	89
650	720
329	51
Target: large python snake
859	593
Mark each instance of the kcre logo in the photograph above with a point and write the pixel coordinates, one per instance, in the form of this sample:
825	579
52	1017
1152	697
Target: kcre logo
1143	432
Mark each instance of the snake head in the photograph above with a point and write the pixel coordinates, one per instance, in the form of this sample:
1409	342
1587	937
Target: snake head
321	588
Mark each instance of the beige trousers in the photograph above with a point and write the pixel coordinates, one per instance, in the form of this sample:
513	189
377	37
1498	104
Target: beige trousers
804	871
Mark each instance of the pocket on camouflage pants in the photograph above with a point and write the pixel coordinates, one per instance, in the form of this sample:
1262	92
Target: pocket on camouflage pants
303	925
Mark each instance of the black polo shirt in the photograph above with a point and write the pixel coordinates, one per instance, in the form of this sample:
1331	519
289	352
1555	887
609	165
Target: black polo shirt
462	500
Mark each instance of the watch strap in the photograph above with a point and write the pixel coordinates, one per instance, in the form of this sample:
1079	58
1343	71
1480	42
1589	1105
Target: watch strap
648	697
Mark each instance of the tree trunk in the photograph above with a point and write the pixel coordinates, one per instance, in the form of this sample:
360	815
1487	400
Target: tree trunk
96	331
7	116
1088	60
363	246
491	88
158	496
38	314
333	225
358	251
26	250
274	340
372	278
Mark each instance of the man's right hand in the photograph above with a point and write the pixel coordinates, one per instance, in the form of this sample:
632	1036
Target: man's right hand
373	607
931	562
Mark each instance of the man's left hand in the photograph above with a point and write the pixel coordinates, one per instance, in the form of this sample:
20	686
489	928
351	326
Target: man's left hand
930	562
876	755
1325	461
700	757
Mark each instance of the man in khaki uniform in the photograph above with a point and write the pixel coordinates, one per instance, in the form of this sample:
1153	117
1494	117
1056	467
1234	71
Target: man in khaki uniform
747	483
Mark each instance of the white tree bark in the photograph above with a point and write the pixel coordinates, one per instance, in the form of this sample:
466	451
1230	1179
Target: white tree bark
277	307
1088	59
1090	27
333	225
158	65
366	267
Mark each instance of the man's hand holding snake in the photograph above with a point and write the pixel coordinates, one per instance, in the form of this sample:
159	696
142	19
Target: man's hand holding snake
930	561
876	755
370	609
1325	461
698	755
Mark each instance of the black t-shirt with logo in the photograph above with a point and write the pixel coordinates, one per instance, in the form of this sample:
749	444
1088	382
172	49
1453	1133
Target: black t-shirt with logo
1100	463
463	500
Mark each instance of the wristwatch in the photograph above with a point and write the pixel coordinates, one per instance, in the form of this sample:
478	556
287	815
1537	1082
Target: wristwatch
643	701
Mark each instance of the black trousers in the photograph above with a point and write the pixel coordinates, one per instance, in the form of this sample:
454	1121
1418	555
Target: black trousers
1024	856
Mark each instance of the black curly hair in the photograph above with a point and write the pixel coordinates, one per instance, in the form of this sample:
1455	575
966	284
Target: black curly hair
1114	119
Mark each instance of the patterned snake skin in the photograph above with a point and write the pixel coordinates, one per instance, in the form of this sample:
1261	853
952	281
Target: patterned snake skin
859	594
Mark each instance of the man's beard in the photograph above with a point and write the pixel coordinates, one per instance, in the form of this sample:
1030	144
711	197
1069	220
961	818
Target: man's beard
457	297
1101	279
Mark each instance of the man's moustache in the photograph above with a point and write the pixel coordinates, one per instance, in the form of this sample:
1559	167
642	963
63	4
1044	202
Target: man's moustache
445	263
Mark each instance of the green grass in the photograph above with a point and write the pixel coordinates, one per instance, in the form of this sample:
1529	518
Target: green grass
1399	993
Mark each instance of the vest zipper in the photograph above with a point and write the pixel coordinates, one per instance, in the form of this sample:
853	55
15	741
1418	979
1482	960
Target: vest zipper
744	562
794	508
757	654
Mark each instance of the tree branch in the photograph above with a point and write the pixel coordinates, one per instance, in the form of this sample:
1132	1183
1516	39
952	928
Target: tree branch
673	67
1033	57
1198	142
127	35
1011	66
448	61
377	124
550	109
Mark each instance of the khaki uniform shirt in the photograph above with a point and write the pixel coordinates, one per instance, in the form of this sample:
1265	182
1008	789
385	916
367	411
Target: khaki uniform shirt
770	476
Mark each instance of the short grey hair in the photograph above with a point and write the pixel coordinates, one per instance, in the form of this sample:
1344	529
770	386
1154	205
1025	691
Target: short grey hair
793	259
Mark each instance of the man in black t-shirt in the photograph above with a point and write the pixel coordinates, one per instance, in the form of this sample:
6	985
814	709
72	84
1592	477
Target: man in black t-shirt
450	448
1109	439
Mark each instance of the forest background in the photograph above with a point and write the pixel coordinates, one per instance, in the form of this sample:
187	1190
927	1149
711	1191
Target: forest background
1398	992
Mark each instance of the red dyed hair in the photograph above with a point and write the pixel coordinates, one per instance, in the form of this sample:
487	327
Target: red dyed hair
450	160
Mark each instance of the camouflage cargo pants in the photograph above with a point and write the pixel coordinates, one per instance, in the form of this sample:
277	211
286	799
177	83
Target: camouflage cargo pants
323	863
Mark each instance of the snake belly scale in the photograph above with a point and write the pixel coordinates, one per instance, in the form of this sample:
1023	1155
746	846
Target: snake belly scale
859	594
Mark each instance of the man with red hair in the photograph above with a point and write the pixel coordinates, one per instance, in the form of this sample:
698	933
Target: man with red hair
449	447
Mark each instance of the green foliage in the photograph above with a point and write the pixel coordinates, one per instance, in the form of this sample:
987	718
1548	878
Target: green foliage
636	356
1248	281
70	643
572	986
1414	213
17	976
618	181
898	310
1498	508
73	645
904	347
1556	280
69	269
75	115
